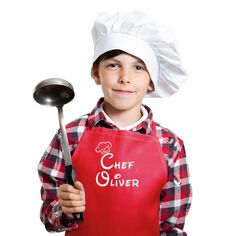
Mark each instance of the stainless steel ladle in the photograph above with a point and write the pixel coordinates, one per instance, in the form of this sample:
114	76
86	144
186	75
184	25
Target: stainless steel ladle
57	92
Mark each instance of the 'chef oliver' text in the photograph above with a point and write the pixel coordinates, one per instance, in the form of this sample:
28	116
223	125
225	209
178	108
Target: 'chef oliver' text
105	178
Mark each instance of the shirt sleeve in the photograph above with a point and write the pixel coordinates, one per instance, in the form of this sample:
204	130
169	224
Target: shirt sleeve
176	195
51	173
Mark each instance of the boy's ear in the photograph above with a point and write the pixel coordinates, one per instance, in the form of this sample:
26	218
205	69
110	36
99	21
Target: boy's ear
95	75
151	86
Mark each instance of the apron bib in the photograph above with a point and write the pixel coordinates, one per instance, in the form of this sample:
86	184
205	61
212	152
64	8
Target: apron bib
123	173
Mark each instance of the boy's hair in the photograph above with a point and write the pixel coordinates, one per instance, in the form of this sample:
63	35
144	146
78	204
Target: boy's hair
108	55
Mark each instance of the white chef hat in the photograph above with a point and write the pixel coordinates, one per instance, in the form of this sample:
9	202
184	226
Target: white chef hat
145	38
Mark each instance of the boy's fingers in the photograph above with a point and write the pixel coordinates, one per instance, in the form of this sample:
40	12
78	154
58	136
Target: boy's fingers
72	203
69	196
68	188
79	186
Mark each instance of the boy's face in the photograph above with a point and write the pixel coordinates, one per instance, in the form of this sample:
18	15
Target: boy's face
124	80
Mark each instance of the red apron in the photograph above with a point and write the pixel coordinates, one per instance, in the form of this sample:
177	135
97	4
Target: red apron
123	173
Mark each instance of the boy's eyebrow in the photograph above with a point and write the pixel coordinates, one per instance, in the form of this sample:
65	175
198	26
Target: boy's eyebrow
140	61
111	59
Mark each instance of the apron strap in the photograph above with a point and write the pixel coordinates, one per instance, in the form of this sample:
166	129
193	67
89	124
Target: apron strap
153	126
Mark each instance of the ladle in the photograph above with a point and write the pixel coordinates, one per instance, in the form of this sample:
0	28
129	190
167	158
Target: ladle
57	92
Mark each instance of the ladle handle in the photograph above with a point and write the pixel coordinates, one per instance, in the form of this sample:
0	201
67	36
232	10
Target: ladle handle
67	157
64	140
68	170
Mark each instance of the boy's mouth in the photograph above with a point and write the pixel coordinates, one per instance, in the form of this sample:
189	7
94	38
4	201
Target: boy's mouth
123	91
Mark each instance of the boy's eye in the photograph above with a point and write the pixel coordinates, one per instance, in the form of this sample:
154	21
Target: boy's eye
138	67
112	65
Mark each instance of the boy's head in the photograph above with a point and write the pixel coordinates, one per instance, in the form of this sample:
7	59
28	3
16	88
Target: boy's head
124	80
140	36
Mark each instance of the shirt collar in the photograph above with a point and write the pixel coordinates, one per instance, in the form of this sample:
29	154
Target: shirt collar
98	119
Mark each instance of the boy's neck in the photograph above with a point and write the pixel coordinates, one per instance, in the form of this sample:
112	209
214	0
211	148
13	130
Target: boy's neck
123	118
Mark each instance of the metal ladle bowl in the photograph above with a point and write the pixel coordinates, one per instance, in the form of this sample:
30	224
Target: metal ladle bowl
53	92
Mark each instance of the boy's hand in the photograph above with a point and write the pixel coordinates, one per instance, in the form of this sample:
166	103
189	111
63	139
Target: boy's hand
71	198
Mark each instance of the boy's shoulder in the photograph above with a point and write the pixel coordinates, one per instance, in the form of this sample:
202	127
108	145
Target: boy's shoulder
172	146
168	137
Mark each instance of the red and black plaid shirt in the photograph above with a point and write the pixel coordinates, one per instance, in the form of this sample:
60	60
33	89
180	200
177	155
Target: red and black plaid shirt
175	199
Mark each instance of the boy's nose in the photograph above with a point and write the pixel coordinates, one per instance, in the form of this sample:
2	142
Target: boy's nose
124	78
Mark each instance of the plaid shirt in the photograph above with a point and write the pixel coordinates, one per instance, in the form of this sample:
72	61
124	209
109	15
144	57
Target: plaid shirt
175	199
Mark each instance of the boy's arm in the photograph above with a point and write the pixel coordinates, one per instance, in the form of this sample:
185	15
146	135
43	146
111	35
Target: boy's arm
177	194
51	173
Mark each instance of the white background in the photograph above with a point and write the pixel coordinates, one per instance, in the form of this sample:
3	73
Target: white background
51	38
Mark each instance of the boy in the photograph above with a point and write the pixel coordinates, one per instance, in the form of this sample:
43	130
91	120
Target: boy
131	173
